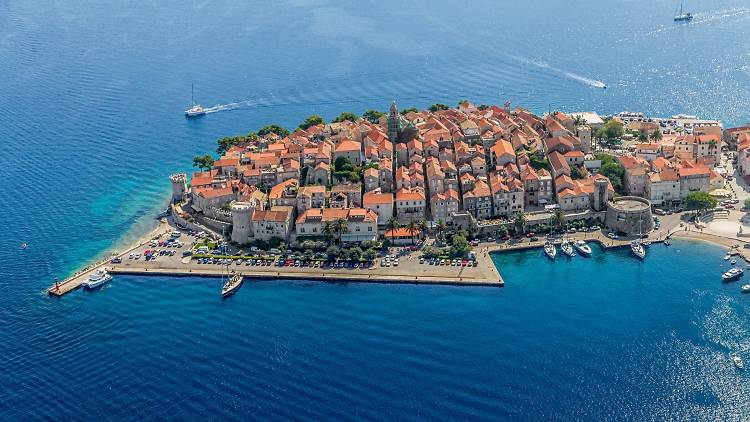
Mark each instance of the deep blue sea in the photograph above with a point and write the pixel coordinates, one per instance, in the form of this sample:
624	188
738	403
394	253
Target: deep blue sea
91	100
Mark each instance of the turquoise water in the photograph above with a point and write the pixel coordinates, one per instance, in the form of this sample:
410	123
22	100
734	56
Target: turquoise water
91	100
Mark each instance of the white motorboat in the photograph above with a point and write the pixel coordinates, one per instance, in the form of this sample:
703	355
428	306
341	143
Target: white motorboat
550	250
745	288
734	261
738	361
732	274
567	248
727	257
98	278
638	249
582	247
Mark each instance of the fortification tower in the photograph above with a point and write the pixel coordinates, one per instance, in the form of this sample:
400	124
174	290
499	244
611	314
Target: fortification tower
241	228
600	194
179	186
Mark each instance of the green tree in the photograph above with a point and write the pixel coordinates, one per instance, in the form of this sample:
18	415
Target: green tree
355	253
265	130
340	227
747	204
227	142
613	130
558	218
483	107
409	110
372	116
437	106
460	246
642	136
203	162
370	255
345	116
333	252
519	222
576	173
412	227
700	201
422	226
328	231
440	228
614	171
656	135
312	121
578	120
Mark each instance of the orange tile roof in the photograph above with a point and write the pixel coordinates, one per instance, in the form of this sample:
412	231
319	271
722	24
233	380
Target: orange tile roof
372	198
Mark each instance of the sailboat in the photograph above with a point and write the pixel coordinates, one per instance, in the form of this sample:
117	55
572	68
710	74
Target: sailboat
683	16
636	246
566	246
231	285
195	110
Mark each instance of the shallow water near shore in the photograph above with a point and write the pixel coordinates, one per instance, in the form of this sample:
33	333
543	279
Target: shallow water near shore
606	337
91	125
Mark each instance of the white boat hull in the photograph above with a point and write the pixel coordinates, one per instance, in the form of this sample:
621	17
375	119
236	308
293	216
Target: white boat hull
93	284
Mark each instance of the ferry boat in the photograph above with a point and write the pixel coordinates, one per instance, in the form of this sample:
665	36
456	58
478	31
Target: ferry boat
732	274
745	288
683	16
231	286
738	361
582	247
195	110
550	250
638	249
567	248
98	278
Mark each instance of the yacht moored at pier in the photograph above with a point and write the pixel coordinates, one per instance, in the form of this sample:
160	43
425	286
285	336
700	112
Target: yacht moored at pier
582	247
567	248
231	286
550	250
638	250
98	278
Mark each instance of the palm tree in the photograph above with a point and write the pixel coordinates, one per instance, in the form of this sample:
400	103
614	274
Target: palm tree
558	218
440	228
422	226
392	224
340	227
520	222
578	120
412	228
328	231
656	135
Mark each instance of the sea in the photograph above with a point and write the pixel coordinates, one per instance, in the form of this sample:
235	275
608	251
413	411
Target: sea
92	95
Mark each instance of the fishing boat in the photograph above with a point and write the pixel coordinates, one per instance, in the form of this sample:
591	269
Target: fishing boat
550	250
231	286
738	361
732	274
745	288
582	247
567	248
97	279
195	110
683	16
638	250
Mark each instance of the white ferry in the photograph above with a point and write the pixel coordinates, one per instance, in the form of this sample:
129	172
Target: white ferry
98	278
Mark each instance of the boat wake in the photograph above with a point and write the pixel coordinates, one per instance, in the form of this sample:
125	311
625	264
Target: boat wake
570	75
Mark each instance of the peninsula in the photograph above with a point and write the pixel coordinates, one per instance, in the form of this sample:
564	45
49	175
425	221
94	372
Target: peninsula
425	196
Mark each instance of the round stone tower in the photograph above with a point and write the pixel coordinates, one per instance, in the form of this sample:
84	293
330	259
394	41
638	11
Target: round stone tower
179	186
241	228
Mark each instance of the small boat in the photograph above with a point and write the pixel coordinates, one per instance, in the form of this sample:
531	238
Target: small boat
231	286
98	278
745	288
683	16
734	261
727	257
550	250
582	247
667	243
646	243
738	361
195	110
567	248
732	274
638	249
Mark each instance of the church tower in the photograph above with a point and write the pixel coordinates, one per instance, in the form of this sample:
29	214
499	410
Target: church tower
394	123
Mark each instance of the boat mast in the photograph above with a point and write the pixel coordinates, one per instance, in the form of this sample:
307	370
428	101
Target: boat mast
192	94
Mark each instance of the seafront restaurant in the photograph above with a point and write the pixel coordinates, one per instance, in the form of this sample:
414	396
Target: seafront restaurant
402	236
